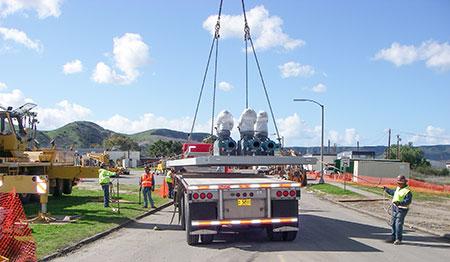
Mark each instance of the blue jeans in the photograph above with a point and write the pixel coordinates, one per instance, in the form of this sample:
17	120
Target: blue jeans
147	192
398	219
105	188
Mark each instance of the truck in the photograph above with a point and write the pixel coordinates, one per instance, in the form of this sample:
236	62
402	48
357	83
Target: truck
216	188
28	170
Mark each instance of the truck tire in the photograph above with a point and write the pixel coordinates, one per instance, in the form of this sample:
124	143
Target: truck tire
25	198
207	238
190	239
273	236
58	188
289	235
67	186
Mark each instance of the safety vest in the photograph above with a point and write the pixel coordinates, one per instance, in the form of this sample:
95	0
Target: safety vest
146	180
103	176
400	194
169	177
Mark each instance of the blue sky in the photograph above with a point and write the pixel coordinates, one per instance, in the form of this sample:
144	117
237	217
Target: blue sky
135	65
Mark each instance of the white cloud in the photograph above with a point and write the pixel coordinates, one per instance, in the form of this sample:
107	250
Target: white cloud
130	53
298	132
296	69
3	86
44	8
62	114
319	88
325	74
21	38
434	54
225	86
15	99
431	136
122	124
265	30
73	67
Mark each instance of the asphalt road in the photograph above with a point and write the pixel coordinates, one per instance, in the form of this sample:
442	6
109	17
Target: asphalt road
329	232
131	179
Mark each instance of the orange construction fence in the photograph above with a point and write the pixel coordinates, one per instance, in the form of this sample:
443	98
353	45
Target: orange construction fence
16	241
415	185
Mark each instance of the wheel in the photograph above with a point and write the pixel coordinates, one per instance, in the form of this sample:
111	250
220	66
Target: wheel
190	239
273	236
289	235
58	188
25	198
67	186
207	238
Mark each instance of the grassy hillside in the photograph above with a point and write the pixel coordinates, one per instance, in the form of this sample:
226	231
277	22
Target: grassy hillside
84	134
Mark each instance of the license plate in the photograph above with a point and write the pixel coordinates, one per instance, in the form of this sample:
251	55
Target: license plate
244	202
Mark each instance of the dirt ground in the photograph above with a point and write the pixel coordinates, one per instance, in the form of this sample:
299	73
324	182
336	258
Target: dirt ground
432	216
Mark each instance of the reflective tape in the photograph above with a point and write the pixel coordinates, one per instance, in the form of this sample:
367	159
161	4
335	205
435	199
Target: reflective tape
41	186
1	182
245	222
243	186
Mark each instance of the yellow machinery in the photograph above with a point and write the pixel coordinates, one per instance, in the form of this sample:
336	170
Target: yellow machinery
95	159
32	171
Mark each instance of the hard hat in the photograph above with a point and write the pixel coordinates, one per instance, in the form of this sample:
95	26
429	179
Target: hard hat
401	179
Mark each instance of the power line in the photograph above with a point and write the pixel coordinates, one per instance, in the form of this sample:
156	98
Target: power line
422	135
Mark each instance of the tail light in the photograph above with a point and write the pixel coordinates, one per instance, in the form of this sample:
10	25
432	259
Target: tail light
238	194
195	196
209	195
285	193
202	195
292	193
244	194
279	193
251	194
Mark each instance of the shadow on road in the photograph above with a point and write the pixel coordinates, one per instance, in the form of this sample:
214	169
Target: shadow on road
317	234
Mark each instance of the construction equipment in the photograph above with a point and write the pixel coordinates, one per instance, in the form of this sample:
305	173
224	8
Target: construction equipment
209	197
32	172
95	159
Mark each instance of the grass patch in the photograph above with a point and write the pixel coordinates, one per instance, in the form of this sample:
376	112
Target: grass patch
95	218
333	190
424	197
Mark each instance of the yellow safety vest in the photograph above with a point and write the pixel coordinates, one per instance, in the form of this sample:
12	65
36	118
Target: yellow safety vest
400	194
169	177
103	176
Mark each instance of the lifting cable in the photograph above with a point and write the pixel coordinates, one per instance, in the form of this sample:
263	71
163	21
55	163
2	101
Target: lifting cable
248	38
216	35
215	43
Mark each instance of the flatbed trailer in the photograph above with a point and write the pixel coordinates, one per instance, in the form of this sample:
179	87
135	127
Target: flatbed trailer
210	201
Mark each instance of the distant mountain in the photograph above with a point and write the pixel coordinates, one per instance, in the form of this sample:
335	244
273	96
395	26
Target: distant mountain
84	134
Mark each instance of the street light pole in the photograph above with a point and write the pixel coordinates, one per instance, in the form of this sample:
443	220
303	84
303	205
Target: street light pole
321	181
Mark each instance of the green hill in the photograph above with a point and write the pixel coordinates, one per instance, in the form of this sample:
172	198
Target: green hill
84	134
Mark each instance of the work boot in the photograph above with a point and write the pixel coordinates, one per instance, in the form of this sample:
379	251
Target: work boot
397	242
144	206
153	206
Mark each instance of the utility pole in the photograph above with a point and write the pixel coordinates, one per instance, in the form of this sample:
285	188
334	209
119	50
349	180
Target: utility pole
398	146
389	146
357	145
328	148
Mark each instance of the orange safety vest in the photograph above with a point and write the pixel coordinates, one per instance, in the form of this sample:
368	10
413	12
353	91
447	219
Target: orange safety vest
146	180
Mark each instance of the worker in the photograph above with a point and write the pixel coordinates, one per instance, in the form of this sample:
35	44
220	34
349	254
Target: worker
401	200
147	184
103	179
169	180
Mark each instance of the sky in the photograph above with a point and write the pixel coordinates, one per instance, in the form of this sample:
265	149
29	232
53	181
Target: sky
135	65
